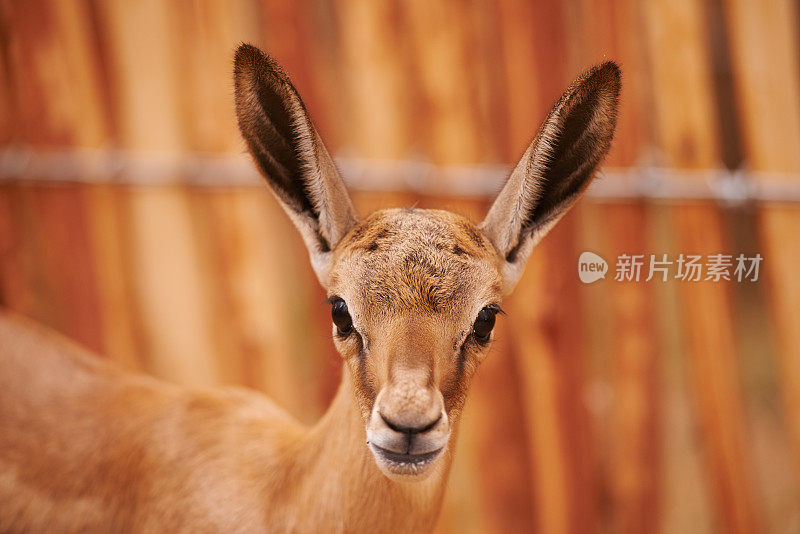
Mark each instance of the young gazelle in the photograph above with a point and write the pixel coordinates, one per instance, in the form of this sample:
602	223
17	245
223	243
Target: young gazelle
414	293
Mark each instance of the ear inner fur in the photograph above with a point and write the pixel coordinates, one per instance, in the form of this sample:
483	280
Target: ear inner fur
556	168
289	153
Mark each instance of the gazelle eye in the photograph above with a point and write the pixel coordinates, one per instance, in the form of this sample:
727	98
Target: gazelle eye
484	323
341	317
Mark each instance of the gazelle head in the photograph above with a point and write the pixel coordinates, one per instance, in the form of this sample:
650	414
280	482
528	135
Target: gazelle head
414	293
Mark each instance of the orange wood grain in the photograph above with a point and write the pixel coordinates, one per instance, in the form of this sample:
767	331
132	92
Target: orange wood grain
57	88
542	320
375	112
685	126
15	257
632	426
764	45
173	304
636	407
205	285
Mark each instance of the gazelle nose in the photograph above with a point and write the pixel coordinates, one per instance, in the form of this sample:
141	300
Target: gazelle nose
417	428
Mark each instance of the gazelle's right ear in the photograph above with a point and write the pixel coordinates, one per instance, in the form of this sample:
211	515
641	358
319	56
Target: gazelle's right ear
555	169
289	153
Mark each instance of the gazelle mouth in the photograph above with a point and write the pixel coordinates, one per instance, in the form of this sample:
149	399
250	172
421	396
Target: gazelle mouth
408	464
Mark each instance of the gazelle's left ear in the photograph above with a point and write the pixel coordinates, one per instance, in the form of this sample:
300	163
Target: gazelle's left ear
555	169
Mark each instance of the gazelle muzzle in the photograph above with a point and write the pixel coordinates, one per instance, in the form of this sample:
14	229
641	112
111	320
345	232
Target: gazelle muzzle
408	429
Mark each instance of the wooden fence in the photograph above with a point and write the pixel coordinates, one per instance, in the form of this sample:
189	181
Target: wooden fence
615	407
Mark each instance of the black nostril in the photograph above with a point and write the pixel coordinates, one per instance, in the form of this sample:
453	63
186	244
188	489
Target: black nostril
410	429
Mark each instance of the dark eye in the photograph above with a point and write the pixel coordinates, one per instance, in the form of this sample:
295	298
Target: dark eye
484	323
341	317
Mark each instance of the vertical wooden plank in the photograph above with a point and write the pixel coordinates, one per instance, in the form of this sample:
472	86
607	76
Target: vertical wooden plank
444	65
172	305
208	35
379	95
48	113
15	287
205	44
56	91
15	255
266	298
633	427
686	132
113	272
518	78
68	262
764	53
63	210
60	104
101	202
8	110
540	360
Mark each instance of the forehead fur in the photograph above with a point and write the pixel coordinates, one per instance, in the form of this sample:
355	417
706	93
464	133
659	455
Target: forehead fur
426	260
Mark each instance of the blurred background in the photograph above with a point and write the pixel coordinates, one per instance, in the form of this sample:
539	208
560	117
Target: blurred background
132	221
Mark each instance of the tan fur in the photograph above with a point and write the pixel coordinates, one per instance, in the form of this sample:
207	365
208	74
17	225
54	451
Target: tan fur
87	448
415	276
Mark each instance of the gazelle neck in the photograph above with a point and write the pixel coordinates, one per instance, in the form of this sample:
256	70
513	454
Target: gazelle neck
347	486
